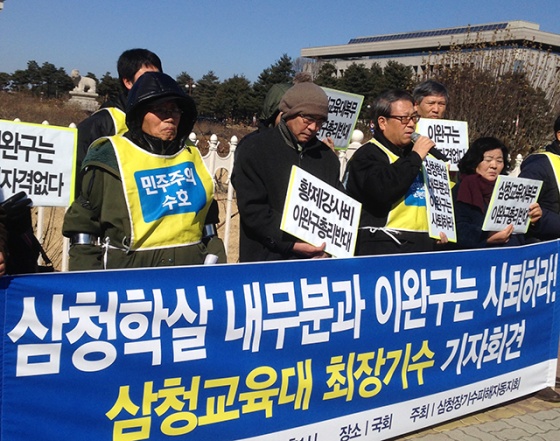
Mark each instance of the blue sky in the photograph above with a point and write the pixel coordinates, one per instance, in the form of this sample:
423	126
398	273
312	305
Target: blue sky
241	37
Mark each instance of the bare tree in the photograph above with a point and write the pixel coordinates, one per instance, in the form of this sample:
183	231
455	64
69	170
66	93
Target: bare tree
502	88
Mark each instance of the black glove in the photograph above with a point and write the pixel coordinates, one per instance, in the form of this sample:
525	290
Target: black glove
18	212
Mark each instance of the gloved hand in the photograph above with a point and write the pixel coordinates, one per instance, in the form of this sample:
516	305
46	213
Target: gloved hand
216	246
18	212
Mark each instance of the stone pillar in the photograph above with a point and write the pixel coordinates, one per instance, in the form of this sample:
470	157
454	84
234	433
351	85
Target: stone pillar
86	100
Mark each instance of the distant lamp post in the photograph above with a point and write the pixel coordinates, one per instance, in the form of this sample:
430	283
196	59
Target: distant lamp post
190	86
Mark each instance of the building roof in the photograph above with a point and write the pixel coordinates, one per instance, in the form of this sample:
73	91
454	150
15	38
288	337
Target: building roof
432	33
436	39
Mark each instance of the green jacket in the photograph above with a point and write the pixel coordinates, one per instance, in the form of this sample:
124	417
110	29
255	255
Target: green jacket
101	211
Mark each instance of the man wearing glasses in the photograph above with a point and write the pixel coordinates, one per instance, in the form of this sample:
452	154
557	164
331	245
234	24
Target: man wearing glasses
262	171
385	175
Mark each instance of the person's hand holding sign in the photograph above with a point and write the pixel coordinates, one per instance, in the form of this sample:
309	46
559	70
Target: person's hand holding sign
535	213
310	251
498	237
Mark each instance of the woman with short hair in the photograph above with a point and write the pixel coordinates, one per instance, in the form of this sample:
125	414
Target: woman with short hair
484	161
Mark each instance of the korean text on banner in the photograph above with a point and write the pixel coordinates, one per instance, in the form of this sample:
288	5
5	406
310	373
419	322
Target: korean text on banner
311	349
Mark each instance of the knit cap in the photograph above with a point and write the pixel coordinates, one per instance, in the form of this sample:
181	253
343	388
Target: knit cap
305	98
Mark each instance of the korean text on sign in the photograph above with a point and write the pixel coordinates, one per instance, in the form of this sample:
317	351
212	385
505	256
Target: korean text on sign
510	204
317	213
39	160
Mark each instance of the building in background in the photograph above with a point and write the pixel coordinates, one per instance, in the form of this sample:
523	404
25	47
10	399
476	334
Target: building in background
421	49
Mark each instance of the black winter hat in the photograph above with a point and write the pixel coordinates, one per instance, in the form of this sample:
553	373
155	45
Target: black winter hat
153	88
305	98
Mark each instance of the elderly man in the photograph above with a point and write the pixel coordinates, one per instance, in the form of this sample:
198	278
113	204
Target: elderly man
430	99
385	176
262	171
545	166
145	195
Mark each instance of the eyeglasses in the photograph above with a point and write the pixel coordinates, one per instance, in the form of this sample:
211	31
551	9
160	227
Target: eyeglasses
164	112
405	119
489	159
308	120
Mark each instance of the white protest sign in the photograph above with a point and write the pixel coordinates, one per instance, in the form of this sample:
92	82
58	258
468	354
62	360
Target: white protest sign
317	213
441	218
39	160
451	137
510	203
344	109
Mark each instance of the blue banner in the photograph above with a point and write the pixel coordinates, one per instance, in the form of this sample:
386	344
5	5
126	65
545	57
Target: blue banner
332	349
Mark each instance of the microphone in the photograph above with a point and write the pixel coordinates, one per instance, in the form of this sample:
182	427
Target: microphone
433	151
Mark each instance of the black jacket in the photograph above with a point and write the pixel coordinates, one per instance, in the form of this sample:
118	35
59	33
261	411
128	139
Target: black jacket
372	180
538	166
97	125
376	183
469	220
261	176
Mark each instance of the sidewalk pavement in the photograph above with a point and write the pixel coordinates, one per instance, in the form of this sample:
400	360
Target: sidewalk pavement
523	419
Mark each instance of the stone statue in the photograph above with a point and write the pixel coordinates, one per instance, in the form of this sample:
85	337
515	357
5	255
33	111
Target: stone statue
82	84
83	93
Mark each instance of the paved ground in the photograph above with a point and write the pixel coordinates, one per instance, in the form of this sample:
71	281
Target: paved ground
522	420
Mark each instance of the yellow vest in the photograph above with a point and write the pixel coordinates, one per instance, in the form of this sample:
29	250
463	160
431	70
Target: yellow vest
119	119
555	163
167	196
410	212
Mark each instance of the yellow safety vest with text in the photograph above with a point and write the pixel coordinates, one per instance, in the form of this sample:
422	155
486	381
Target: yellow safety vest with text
167	197
410	212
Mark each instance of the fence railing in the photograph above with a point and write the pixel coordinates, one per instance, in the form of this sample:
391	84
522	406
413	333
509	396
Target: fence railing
221	168
217	163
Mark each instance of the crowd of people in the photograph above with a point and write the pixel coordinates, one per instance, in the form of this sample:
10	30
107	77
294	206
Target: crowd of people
144	197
